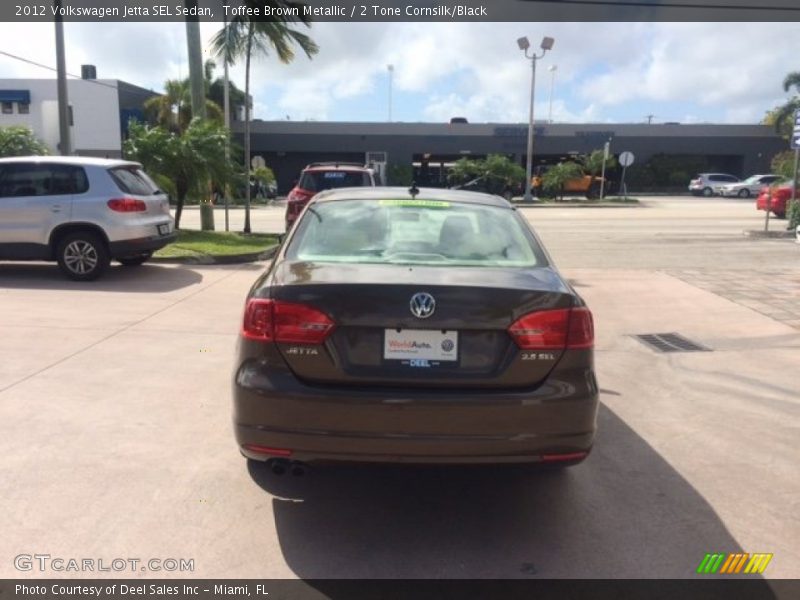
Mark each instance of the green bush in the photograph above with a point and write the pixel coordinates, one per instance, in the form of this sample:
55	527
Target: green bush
556	177
20	141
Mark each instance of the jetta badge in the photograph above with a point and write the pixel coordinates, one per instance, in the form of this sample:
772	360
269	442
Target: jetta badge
422	305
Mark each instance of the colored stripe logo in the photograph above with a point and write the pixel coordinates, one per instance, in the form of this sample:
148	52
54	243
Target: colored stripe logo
736	562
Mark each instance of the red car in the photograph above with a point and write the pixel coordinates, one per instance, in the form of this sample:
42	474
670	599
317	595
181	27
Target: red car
321	176
780	197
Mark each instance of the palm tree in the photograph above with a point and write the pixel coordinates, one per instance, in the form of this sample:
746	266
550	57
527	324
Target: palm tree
785	112
173	109
215	88
242	37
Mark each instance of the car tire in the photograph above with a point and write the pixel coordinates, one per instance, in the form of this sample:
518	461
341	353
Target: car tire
745	193
82	256
135	261
708	192
779	215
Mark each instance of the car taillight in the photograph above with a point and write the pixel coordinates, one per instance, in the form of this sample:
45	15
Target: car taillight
297	195
581	328
554	329
127	205
274	320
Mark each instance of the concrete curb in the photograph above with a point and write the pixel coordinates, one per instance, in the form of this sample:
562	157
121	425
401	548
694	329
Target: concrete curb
207	259
579	205
758	234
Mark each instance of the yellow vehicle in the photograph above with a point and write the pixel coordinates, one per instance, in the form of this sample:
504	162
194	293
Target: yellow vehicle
587	185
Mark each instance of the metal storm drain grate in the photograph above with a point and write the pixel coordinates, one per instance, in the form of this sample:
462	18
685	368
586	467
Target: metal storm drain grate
670	342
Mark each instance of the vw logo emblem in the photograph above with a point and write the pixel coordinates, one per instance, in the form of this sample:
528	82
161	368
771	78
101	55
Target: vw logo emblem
422	305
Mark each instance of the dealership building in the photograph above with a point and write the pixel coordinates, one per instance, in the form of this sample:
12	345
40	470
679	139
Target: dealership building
99	111
287	146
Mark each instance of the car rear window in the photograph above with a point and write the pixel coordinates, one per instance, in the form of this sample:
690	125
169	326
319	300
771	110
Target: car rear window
318	181
41	179
132	180
419	232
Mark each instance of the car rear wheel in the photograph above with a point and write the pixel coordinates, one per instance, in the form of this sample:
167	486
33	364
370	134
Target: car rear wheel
82	256
135	261
745	193
708	192
780	215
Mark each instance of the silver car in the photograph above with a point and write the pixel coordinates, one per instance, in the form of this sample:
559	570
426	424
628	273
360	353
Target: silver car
706	184
82	212
749	187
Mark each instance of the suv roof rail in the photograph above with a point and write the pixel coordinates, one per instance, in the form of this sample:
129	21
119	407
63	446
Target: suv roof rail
336	163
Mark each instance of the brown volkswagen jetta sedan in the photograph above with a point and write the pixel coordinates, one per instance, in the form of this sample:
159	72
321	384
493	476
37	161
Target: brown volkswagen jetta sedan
419	326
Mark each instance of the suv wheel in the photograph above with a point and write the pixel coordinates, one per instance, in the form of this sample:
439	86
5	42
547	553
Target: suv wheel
135	261
82	256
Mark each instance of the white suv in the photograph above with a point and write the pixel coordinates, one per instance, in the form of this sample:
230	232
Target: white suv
81	212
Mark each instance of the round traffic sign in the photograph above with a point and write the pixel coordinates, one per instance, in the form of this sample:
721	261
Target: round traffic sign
626	159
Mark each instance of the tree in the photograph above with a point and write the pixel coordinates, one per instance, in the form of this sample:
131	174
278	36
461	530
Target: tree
464	170
242	37
783	164
593	162
215	89
264	175
191	159
783	114
500	174
784	128
557	177
173	109
20	141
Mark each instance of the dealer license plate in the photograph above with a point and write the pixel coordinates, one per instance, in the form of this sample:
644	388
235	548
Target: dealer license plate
420	344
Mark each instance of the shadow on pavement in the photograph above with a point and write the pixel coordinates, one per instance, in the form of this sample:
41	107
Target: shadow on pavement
624	513
148	278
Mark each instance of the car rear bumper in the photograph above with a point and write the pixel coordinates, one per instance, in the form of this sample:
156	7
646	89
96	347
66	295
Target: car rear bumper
274	410
140	246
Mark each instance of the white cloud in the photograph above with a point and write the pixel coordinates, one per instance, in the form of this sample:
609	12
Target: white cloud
466	69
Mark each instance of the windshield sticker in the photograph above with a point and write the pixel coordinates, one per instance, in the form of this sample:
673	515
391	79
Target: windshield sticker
334	175
416	203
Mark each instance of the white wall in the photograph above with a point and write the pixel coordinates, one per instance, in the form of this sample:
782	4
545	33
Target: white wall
95	110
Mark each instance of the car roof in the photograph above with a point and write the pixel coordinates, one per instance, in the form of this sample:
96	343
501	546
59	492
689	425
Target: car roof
402	193
72	160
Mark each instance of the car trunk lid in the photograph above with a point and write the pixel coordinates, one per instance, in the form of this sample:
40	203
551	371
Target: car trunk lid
378	340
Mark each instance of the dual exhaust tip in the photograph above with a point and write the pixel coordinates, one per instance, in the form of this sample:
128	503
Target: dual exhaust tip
281	466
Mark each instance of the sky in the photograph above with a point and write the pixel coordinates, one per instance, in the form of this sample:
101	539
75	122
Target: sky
604	72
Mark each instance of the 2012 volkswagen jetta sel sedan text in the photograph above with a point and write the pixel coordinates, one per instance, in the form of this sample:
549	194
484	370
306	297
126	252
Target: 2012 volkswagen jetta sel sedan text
420	326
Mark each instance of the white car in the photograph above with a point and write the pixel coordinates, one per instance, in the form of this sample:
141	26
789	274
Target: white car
81	212
749	187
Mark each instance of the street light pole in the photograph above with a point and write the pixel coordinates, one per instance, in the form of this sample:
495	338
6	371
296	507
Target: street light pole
390	68
65	142
226	100
552	69
524	45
